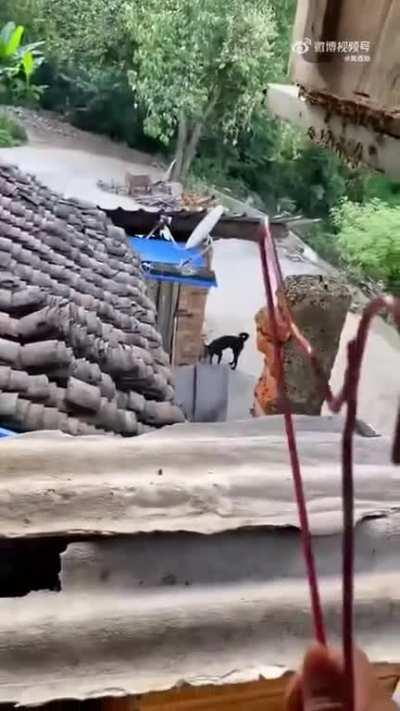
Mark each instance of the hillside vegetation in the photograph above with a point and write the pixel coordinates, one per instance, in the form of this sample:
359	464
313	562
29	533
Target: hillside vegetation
188	80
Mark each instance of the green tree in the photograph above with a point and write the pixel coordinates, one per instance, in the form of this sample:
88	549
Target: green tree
19	11
369	239
199	64
87	33
284	11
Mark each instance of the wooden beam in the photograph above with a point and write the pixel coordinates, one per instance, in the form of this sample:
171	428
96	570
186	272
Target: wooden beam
350	51
252	696
321	25
359	144
183	224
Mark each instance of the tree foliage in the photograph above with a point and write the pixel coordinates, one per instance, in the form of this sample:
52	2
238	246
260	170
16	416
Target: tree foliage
284	13
82	33
18	63
99	101
369	239
278	162
22	12
198	64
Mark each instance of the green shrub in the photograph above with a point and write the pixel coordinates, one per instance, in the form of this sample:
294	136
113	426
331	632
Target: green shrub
369	239
12	133
323	241
379	186
6	141
18	64
98	101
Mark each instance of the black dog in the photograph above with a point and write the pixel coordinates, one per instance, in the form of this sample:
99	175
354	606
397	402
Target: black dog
235	343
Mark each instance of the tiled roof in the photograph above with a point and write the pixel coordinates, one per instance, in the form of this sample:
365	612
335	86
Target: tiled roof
79	348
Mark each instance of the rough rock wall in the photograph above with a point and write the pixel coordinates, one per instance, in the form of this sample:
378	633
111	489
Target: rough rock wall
319	306
79	350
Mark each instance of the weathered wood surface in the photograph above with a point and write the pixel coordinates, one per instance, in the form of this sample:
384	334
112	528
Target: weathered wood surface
363	90
261	695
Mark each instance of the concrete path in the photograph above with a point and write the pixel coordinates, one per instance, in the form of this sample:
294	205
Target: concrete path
74	172
231	308
380	379
71	161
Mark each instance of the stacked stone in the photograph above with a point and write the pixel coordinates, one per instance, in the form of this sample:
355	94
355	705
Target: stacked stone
79	348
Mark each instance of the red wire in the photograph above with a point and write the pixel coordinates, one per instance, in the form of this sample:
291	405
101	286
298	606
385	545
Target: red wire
294	456
347	395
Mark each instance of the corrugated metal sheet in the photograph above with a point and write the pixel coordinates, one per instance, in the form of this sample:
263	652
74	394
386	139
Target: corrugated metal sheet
190	477
167	604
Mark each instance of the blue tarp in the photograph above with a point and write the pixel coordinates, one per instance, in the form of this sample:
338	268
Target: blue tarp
159	251
6	433
192	280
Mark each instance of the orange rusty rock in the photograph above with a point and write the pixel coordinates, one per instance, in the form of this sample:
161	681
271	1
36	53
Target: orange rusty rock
266	391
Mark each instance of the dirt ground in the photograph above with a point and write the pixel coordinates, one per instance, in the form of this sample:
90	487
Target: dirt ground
72	162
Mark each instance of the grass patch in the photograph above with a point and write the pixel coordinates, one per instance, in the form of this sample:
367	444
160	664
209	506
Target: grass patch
12	133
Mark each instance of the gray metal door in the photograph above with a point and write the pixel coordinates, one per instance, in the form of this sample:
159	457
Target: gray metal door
202	391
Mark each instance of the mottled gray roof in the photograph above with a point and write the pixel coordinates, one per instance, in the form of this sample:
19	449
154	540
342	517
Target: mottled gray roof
208	587
79	347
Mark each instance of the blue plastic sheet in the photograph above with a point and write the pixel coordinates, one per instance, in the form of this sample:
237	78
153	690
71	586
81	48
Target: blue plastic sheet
6	433
159	251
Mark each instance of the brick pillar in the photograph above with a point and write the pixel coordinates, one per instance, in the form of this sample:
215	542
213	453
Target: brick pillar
189	325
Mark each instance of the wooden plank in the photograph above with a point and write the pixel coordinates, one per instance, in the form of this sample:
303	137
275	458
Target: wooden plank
375	22
183	224
321	25
164	313
382	82
252	696
262	695
358	144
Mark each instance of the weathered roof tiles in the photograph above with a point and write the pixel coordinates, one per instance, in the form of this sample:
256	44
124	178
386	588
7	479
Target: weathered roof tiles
74	312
